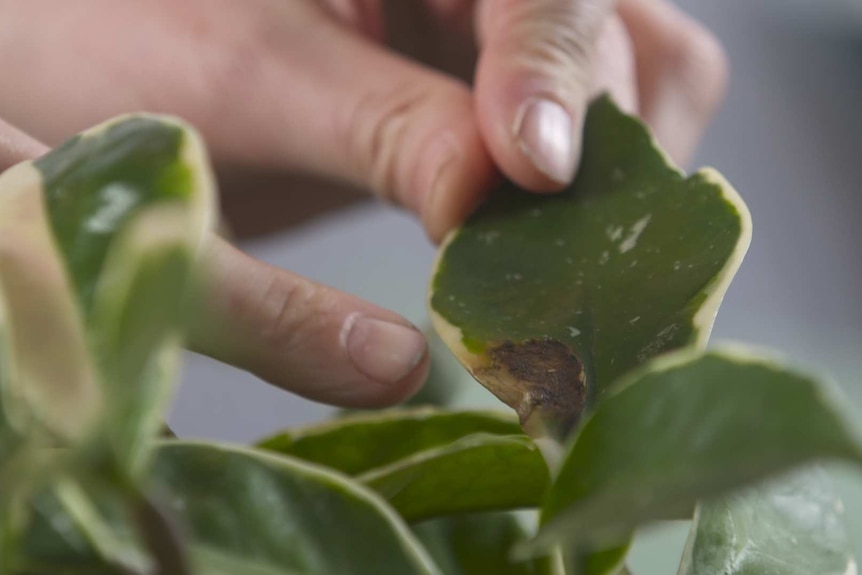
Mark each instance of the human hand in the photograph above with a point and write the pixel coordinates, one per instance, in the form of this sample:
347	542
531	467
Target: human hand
306	86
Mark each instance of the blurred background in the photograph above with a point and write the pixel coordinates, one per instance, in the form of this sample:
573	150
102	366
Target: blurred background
789	138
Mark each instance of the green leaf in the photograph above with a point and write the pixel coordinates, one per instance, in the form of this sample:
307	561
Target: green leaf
358	443
548	299
428	462
98	182
41	401
67	532
97	240
281	514
686	427
245	511
137	329
610	561
479	472
129	203
476	544
794	526
40	320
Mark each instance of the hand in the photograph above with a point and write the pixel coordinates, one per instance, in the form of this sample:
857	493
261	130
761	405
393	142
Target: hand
306	86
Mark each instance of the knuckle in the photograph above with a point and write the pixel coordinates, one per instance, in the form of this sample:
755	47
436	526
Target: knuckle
376	130
288	308
552	38
563	50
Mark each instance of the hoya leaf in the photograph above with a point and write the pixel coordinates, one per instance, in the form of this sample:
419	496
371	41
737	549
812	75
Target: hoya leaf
242	511
359	443
281	514
137	327
479	472
40	319
689	426
66	532
98	182
548	299
481	543
129	202
793	526
477	544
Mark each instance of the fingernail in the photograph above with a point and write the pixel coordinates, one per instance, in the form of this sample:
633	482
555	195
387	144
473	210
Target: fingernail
384	351
543	129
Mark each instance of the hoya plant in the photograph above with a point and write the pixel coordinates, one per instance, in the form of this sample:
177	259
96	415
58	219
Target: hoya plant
586	313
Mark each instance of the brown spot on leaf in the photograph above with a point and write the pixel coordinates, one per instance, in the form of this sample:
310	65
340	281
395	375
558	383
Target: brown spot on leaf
541	376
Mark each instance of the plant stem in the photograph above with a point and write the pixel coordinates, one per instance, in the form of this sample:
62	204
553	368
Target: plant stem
161	536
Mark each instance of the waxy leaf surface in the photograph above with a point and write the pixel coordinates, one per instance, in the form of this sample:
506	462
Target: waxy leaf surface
686	427
247	511
548	299
129	203
792	526
479	472
358	443
476	544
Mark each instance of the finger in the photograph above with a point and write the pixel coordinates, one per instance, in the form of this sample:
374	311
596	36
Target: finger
682	73
614	66
533	83
304	337
334	104
16	146
285	85
362	15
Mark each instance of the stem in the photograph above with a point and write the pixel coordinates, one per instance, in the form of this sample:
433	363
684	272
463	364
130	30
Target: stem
161	536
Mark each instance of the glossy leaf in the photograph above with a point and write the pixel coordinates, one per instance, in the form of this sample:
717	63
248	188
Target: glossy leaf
250	512
68	532
98	182
40	320
48	388
359	443
548	299
479	472
283	515
128	203
793	526
137	329
476	544
689	426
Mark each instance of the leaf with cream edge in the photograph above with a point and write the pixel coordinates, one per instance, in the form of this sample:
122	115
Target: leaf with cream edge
41	319
480	472
477	544
130	203
689	426
792	526
250	511
548	299
359	443
427	462
282	514
41	401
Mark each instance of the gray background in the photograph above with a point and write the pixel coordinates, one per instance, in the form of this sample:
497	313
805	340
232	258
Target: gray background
789	139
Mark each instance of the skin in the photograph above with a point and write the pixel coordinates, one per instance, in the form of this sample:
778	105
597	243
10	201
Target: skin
311	87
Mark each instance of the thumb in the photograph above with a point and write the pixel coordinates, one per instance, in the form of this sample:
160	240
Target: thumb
533	83
304	337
